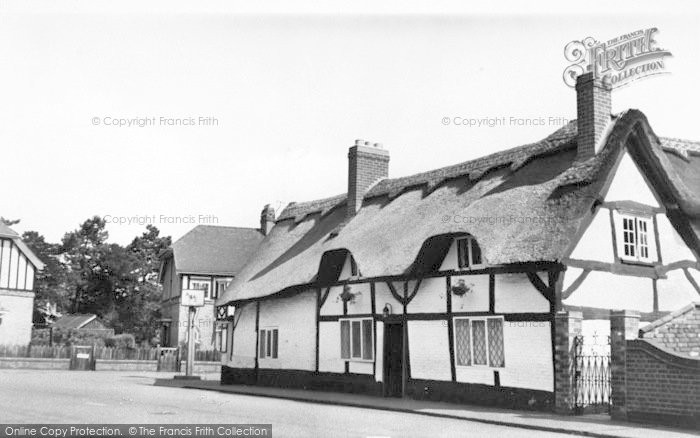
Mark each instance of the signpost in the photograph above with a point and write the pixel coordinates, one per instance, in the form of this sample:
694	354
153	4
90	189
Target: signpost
192	298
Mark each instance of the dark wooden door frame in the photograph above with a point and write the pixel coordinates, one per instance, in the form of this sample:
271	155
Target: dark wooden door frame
401	323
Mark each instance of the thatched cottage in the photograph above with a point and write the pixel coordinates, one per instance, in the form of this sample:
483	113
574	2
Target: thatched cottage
458	283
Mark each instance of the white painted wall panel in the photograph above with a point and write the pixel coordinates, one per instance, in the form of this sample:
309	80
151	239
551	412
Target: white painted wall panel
379	339
596	242
5	264
30	277
14	260
431	296
362	302
22	273
475	301
628	184
16	327
295	318
329	348
333	304
474	375
610	291
361	367
516	294
570	275
429	350
244	338
673	248
383	296
675	291
528	355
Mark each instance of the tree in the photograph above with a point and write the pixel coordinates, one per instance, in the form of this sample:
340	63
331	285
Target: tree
8	222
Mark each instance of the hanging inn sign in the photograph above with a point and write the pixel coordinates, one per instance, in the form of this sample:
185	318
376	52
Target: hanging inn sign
619	61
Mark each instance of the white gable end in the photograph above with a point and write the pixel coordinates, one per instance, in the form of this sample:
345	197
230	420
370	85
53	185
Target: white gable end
629	184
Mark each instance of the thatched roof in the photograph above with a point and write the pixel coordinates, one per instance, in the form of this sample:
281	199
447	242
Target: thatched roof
524	204
216	250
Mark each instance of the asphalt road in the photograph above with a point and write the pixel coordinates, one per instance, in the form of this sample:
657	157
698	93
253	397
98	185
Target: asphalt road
33	396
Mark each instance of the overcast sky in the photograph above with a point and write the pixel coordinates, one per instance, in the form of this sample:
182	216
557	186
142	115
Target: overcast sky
291	87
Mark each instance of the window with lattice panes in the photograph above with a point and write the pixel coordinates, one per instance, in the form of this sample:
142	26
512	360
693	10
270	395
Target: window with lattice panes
635	234
357	339
479	342
468	253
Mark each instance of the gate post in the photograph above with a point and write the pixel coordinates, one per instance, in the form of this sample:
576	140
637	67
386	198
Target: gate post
624	326
567	325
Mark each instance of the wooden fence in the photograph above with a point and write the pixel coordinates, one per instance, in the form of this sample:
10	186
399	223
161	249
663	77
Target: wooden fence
101	353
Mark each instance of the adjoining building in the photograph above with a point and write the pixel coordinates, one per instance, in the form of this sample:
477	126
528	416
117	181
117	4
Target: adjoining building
18	266
207	258
467	282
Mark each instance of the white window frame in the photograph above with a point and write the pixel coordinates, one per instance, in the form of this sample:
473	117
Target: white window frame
201	280
636	244
268	352
362	344
470	254
486	340
217	282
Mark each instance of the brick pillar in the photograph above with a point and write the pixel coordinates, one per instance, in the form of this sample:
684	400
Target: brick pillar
567	325
624	326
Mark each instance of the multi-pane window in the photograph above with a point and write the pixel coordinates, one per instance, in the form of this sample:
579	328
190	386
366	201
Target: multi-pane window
479	342
200	284
468	253
357	339
635	235
221	338
269	339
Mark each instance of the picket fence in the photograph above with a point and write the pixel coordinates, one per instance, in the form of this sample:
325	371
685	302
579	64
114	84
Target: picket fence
101	353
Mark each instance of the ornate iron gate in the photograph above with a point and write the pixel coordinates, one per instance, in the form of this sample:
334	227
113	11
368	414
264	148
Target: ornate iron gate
592	389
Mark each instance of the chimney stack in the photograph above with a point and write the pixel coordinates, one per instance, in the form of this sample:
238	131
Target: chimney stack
593	110
367	164
267	219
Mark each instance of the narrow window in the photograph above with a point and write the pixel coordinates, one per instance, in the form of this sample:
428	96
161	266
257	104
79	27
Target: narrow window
367	344
463	342
356	339
468	253
495	339
479	342
635	238
275	335
262	344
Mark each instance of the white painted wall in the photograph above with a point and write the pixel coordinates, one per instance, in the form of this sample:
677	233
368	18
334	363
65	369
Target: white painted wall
329	348
528	350
333	304
295	318
596	242
363	300
516	294
675	291
429	350
629	184
383	296
244	338
475	301
611	291
16	326
673	248
431	296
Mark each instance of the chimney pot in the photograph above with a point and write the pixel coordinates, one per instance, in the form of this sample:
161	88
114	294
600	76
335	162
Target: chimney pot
359	142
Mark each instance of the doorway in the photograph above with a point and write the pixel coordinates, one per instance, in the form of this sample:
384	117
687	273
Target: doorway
393	359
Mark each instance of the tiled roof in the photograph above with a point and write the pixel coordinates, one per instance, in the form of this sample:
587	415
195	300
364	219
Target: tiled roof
215	250
74	321
678	331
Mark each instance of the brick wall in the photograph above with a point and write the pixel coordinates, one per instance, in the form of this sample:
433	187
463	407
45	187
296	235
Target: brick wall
366	165
679	331
593	108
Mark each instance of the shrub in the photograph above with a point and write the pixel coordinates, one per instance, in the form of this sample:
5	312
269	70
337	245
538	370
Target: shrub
124	340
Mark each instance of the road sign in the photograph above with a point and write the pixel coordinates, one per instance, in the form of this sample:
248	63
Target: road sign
192	298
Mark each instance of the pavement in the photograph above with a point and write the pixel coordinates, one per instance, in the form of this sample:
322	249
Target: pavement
599	425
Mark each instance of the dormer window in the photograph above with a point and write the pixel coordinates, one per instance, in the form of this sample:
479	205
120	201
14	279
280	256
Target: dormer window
635	238
469	253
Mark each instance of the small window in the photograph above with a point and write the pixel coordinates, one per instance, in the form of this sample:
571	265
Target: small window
479	342
221	286
221	337
635	236
469	253
357	339
200	284
269	339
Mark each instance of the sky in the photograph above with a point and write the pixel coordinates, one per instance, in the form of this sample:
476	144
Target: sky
247	104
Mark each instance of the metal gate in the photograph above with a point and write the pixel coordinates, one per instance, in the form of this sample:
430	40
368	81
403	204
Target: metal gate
592	389
168	359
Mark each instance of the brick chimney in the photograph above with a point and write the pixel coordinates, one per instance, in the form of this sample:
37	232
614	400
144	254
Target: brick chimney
367	164
267	219
593	113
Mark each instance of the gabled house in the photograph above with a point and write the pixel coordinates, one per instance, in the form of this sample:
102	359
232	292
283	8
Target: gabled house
18	266
458	283
207	257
